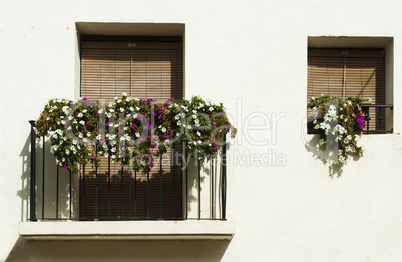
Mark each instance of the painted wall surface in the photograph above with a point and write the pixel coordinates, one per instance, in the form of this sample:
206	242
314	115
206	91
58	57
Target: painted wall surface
252	56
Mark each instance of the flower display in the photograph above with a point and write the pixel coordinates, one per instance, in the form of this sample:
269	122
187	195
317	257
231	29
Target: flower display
340	124
131	130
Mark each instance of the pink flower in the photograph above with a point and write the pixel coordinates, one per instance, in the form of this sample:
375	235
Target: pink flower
161	115
154	145
70	101
65	165
93	157
133	127
148	100
214	123
108	123
148	126
150	137
214	143
139	117
142	139
101	140
84	100
120	131
165	135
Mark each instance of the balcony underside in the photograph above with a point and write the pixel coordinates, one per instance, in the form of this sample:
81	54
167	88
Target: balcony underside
128	230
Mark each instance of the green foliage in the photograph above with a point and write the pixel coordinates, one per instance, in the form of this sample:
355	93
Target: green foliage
131	130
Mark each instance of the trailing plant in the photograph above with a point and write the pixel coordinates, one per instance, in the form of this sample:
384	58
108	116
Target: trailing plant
340	125
131	131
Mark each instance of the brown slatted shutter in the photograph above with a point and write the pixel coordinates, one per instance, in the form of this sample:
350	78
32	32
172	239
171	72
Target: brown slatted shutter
347	72
147	70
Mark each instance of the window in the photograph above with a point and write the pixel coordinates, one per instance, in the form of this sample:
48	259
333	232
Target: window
355	72
143	67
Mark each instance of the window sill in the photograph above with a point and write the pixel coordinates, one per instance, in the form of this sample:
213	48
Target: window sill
128	230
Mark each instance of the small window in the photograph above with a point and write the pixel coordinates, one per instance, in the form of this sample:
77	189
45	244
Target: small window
354	72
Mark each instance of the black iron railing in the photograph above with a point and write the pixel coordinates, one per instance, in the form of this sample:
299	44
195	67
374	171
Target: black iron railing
113	192
375	116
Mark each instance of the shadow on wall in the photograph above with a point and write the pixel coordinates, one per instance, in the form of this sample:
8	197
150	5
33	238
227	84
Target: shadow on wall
108	250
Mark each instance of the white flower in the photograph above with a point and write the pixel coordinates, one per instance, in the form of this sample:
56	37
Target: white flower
88	134
121	109
198	133
118	101
163	129
70	118
67	151
80	135
48	118
137	134
85	140
82	122
131	108
104	145
124	94
111	110
63	122
194	116
75	142
211	109
321	142
84	111
199	142
177	117
100	111
80	114
195	111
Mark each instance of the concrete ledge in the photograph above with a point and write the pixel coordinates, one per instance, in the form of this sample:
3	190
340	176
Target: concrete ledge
128	230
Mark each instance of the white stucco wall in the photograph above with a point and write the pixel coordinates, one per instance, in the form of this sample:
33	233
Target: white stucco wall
252	56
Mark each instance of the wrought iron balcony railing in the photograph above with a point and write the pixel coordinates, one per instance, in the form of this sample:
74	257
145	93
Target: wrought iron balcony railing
112	192
378	119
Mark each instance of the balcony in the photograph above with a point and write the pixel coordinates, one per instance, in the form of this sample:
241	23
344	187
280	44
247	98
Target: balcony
188	201
378	119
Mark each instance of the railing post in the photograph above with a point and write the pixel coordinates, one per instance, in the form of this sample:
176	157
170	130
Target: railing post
32	200
224	182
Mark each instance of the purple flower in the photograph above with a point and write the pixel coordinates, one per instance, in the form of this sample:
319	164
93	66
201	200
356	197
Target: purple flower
133	127
165	135
168	130
70	101
149	153
120	131
214	151
101	140
139	117
154	145
148	126
362	126
93	157
151	164
161	115
148	100
155	113
166	102
142	139
214	123
108	123
65	165
214	143
155	105
150	137
228	130
140	100
160	110
84	100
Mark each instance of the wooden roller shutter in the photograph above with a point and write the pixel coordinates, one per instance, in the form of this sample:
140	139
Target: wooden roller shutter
146	70
348	72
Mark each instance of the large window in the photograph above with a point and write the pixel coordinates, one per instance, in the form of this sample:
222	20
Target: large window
353	72
143	67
